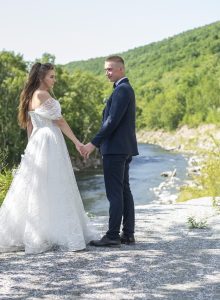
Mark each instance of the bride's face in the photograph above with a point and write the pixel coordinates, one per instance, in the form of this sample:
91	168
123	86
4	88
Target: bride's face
49	79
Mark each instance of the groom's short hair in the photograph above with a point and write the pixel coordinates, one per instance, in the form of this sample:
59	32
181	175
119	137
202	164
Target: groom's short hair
116	58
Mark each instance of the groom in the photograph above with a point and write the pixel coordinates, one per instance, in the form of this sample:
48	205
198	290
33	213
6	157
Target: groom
117	142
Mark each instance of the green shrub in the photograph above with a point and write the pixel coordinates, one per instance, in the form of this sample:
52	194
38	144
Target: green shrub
5	182
3	157
5	175
199	224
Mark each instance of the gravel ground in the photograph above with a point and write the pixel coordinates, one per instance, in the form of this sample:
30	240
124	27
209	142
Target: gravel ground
169	261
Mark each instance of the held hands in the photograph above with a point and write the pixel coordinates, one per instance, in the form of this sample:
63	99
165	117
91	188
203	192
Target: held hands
85	150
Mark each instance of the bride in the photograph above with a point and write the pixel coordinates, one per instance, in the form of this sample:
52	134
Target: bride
43	209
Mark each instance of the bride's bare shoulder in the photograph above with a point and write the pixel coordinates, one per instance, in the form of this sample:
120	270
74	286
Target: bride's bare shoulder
41	95
38	98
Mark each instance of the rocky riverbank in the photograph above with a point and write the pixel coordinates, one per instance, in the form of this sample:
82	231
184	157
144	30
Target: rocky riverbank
184	139
194	142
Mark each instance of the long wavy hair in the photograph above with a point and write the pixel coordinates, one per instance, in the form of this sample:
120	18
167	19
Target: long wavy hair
37	73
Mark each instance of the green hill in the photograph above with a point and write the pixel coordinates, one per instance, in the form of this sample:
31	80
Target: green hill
177	80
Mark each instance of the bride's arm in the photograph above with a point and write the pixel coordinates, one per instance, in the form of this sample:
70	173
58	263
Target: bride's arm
29	128
63	125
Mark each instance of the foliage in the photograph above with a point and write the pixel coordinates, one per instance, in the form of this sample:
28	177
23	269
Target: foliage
5	182
12	76
47	58
193	223
5	177
80	95
177	80
82	104
3	158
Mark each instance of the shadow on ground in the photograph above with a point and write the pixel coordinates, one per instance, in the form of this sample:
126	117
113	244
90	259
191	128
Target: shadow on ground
166	263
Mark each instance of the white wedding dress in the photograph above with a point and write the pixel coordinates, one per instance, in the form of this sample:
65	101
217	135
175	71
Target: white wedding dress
43	208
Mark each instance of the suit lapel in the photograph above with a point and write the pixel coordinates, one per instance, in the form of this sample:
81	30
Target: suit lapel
105	112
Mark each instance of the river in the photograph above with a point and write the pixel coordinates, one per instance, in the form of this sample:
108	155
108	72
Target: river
145	171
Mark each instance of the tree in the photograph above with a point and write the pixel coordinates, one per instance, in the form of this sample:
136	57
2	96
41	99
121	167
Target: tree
12	77
82	104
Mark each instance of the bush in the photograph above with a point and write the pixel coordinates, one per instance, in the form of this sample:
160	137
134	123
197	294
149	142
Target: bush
5	182
5	176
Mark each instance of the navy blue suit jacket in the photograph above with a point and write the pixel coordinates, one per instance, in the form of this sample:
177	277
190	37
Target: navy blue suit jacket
117	134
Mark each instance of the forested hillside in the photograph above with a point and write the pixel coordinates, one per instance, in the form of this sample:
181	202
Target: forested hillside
177	80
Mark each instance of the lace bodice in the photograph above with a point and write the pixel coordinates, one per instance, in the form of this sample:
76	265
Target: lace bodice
47	112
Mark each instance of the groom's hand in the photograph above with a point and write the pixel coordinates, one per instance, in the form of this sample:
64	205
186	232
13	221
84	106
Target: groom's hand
87	150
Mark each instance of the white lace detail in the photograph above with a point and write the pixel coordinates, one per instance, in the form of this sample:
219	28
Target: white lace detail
43	208
50	109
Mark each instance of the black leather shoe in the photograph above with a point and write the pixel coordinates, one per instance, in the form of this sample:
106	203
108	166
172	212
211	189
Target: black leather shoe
128	240
106	242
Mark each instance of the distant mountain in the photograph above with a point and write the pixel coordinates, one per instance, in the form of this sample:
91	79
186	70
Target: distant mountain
182	71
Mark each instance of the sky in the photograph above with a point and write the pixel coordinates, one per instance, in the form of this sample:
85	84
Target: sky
74	30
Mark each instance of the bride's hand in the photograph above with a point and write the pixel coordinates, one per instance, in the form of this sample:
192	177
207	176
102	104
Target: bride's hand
79	147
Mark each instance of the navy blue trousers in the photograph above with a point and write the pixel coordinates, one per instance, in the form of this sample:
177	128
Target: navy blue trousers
121	203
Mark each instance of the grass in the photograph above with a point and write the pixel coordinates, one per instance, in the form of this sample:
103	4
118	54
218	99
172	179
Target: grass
194	224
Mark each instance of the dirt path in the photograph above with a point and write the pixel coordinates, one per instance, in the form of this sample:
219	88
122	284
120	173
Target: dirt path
168	262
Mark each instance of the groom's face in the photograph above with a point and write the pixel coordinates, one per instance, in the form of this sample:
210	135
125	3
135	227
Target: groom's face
114	71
